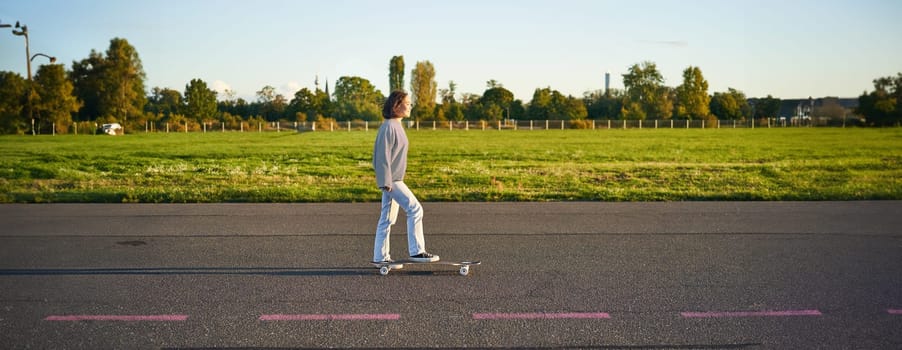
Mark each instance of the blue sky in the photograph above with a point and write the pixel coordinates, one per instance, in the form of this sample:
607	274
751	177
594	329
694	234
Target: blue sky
788	49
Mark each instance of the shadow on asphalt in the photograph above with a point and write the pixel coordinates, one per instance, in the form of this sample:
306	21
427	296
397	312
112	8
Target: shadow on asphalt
243	271
590	347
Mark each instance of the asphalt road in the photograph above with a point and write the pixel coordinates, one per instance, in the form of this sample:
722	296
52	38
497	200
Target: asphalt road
697	275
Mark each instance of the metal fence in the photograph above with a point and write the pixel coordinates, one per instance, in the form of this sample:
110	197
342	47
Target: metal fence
560	125
358	125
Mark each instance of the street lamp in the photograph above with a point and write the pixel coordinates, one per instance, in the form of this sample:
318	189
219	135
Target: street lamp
23	31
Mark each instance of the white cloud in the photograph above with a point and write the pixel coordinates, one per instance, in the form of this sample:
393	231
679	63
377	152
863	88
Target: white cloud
288	89
220	86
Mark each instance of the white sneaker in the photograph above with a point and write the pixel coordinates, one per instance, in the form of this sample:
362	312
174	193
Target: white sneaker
390	264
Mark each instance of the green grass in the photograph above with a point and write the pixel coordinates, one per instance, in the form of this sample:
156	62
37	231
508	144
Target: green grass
606	165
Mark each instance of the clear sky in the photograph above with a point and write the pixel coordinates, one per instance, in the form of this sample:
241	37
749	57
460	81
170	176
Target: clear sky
788	49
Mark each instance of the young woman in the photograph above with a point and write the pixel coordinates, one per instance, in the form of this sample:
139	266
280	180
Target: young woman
390	163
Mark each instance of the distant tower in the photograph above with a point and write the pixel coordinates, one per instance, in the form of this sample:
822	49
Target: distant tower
328	97
316	82
607	83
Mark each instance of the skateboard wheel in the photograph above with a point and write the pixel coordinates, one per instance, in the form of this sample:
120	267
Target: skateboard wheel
464	270
384	270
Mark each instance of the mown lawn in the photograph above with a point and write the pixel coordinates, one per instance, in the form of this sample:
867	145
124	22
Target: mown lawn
475	165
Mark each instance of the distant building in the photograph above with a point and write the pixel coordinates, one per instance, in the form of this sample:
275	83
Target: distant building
607	83
802	108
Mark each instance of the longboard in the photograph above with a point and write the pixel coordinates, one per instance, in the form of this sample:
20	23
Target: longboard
386	267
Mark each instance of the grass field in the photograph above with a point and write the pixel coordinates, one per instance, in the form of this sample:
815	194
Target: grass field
605	165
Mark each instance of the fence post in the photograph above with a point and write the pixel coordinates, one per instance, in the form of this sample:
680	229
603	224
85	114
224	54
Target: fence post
624	124
656	123
609	124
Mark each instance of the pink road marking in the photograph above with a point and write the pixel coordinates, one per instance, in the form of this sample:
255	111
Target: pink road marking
894	311
751	314
331	317
539	315
131	318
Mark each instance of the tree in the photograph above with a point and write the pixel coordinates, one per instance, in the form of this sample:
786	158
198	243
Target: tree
271	104
87	79
767	107
831	110
55	103
423	90
550	104
308	105
692	96
447	95
357	98
111	85
125	74
645	87
12	102
266	95
603	105
496	101
200	101
730	105
883	106
239	107
164	102
632	111
396	73
450	108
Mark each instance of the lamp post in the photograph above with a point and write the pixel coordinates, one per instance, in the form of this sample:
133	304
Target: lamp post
23	31
52	61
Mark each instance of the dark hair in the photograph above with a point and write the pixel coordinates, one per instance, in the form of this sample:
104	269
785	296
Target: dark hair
389	109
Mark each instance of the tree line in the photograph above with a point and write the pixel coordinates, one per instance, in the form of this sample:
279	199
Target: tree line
110	87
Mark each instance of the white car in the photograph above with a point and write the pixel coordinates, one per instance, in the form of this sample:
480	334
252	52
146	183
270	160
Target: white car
112	129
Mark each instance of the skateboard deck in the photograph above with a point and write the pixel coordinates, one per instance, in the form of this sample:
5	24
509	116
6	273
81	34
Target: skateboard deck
386	267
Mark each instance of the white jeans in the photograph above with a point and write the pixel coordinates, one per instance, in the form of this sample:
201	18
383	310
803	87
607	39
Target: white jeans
399	196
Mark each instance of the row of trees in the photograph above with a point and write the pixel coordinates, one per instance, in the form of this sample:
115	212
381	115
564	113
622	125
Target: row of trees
109	86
